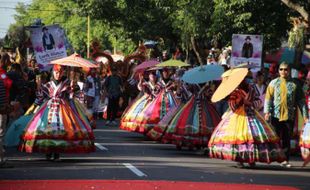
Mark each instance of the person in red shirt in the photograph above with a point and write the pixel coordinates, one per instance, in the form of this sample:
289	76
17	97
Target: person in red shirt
5	106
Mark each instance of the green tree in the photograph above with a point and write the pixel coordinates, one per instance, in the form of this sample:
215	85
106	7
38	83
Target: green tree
66	13
298	33
265	17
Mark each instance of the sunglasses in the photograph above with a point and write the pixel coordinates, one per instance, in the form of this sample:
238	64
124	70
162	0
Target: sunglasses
283	69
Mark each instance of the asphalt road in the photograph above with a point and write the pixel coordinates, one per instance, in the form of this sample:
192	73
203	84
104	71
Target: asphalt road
122	155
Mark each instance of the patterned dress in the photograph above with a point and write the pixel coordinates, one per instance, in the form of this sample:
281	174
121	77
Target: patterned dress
194	123
183	94
155	111
57	127
129	119
304	141
243	135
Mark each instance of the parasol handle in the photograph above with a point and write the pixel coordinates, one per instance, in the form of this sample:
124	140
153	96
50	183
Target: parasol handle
201	67
203	88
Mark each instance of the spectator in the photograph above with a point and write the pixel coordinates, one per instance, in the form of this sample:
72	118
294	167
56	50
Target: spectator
260	88
5	106
281	99
114	88
92	92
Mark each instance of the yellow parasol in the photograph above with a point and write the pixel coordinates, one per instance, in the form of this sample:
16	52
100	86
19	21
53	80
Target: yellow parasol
230	81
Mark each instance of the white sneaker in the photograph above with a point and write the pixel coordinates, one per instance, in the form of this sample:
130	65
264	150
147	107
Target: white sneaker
114	123
285	164
108	122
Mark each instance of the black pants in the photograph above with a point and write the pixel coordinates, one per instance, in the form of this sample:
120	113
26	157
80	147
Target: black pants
284	130
112	109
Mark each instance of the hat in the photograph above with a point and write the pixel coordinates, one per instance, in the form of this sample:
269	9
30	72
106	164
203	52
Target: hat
44	28
230	81
57	67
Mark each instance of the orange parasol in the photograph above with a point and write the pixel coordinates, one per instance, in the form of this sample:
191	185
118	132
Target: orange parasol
74	60
230	81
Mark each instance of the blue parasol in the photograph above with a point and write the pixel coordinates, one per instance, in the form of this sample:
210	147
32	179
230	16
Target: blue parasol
15	130
202	74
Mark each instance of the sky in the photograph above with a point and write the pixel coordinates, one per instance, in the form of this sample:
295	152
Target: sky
7	12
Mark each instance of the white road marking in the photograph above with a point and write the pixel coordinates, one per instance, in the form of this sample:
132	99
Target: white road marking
135	170
100	146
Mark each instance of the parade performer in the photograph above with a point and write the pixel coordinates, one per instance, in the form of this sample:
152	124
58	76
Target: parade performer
193	125
149	89
57	126
160	106
304	141
243	135
182	95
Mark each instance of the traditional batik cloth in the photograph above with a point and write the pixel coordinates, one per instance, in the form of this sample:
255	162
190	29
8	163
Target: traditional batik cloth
57	126
129	118
154	112
243	135
282	97
304	141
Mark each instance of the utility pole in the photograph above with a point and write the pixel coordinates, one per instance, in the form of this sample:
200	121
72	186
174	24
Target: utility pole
88	35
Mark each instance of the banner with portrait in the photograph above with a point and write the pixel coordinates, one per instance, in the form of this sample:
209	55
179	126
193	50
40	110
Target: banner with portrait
48	43
247	49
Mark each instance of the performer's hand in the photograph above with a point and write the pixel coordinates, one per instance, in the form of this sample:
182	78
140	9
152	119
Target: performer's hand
141	76
267	116
306	119
247	102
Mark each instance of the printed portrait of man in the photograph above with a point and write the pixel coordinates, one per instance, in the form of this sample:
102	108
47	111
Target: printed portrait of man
47	39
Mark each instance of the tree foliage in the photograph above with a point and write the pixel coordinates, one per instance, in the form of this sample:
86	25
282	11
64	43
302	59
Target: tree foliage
186	23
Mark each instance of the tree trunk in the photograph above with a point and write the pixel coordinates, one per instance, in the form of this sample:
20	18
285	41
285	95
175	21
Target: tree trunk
200	57
297	7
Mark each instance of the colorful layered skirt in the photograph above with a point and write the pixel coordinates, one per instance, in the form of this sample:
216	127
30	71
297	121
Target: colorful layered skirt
159	130
154	112
16	129
245	137
304	141
129	118
83	112
58	128
193	124
299	123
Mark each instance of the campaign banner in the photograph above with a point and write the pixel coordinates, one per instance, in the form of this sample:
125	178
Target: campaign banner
48	43
247	49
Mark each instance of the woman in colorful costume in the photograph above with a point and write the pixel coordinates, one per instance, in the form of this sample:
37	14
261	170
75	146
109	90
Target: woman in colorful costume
57	126
304	141
149	89
182	96
243	135
193	125
165	101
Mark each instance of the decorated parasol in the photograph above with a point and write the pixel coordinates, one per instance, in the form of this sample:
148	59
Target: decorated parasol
172	63
202	74
74	60
230	81
145	65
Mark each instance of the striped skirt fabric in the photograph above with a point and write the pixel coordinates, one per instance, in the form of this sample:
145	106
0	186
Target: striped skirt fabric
245	138
62	131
